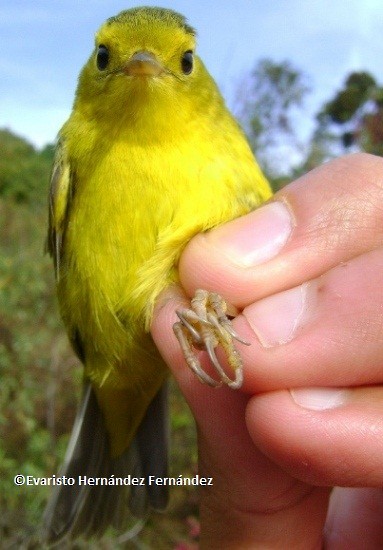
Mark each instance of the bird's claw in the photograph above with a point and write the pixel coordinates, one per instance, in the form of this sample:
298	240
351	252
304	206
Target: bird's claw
206	326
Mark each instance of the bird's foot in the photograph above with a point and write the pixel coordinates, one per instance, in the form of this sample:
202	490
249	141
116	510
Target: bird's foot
206	325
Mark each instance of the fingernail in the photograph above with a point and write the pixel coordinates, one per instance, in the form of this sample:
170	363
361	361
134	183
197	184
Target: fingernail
277	319
257	237
319	399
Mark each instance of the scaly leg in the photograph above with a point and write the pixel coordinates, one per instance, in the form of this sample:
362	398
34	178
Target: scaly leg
205	326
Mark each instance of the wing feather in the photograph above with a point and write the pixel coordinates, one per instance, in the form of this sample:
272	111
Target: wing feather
60	198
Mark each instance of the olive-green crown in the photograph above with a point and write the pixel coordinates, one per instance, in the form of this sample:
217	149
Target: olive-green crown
148	13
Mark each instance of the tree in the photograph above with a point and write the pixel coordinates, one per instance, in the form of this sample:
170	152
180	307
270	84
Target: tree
24	171
268	107
355	114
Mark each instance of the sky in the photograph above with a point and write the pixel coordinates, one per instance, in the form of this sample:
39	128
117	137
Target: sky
45	43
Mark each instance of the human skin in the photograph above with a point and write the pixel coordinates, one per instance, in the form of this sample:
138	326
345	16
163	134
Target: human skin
306	273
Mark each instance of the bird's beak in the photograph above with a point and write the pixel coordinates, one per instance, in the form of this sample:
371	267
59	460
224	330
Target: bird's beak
143	63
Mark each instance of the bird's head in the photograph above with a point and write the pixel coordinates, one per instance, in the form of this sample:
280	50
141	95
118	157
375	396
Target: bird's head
144	59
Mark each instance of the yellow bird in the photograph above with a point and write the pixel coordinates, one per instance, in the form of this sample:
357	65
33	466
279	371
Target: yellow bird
149	157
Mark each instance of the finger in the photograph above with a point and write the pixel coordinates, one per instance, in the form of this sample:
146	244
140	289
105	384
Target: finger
252	502
326	332
355	519
328	216
324	437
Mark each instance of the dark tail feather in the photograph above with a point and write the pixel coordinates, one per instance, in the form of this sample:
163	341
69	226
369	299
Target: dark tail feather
86	510
152	440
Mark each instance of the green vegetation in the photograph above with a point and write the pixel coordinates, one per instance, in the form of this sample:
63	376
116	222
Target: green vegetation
356	113
23	169
40	376
271	108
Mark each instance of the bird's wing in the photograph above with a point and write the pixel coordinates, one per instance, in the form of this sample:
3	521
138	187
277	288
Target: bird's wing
60	197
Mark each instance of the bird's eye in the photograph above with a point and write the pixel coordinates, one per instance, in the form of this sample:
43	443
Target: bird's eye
102	57
187	62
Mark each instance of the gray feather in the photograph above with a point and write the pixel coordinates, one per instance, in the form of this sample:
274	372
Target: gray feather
86	510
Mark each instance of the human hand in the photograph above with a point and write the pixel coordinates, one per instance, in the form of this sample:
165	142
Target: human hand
307	273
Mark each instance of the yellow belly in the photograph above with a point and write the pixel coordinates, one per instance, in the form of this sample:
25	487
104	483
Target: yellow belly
128	224
124	237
